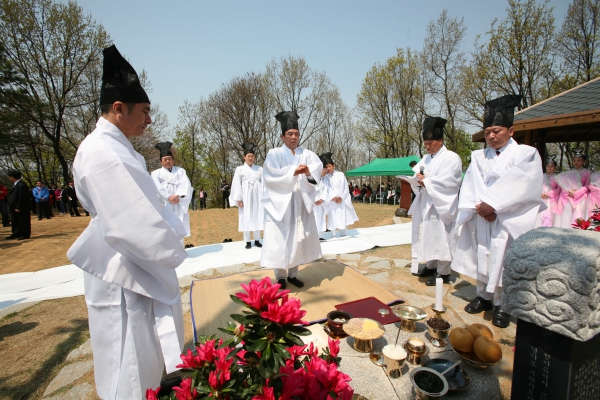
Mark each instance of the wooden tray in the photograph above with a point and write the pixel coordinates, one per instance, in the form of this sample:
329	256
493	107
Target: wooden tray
367	308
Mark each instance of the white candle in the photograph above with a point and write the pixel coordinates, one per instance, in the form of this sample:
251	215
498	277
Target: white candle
439	289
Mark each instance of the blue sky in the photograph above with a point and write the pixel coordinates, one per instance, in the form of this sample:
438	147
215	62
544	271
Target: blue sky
190	48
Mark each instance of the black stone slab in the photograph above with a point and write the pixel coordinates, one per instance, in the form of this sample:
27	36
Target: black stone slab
548	366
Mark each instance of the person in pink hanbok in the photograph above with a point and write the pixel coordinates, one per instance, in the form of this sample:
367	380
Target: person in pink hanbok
594	195
550	194
574	191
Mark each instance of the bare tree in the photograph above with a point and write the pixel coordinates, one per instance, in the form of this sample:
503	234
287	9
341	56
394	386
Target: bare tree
579	39
51	45
444	57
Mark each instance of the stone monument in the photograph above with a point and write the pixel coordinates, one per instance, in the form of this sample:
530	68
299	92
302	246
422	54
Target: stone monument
551	284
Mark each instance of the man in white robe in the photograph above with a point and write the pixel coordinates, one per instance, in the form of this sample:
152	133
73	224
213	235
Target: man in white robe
246	195
322	202
341	211
499	201
434	209
131	247
290	177
173	184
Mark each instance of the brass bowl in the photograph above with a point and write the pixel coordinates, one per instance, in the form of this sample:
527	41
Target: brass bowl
415	358
438	336
409	315
423	395
336	328
474	361
414	347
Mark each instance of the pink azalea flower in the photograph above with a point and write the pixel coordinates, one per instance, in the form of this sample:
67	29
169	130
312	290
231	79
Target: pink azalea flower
190	361
184	391
293	386
217	379
206	351
582	224
152	394
296	352
260	293
267	394
334	347
288	312
597	229
595	217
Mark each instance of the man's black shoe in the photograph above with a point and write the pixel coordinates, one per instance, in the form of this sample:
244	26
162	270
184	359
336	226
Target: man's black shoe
500	318
425	272
296	282
257	243
7	225
167	386
248	245
10	237
321	239
282	283
431	281
22	238
478	305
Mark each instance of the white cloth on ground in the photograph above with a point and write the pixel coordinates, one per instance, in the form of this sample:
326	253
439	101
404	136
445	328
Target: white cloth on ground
247	187
175	182
510	183
133	245
290	236
435	207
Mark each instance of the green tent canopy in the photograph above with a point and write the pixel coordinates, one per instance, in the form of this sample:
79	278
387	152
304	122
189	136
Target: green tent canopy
385	167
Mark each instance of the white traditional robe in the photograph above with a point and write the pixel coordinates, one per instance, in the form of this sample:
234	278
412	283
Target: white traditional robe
322	209
435	207
512	184
340	215
247	187
290	235
129	253
573	208
175	182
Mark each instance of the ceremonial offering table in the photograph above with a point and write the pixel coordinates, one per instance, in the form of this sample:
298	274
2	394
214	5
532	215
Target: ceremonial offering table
371	381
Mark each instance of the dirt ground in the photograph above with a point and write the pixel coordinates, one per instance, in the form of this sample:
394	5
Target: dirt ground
35	342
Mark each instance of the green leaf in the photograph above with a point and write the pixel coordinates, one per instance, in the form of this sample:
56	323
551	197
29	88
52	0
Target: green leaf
267	353
258	345
226	330
237	300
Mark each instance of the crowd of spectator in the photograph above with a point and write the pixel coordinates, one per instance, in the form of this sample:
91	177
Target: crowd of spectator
385	194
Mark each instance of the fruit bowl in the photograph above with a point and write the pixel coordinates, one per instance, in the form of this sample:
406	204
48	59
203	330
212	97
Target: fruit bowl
474	361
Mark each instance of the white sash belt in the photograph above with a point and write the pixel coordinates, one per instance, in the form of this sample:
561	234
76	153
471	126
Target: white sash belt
167	335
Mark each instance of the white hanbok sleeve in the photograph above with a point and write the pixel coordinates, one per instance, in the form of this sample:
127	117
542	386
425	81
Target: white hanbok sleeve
184	188
443	188
132	222
235	194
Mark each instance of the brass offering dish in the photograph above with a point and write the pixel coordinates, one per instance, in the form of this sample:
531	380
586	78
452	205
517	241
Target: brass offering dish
416	350
364	331
474	361
376	358
409	316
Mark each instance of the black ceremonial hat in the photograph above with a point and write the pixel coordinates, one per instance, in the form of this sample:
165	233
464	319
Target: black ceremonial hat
120	82
248	147
501	111
551	159
288	119
326	158
164	148
433	128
